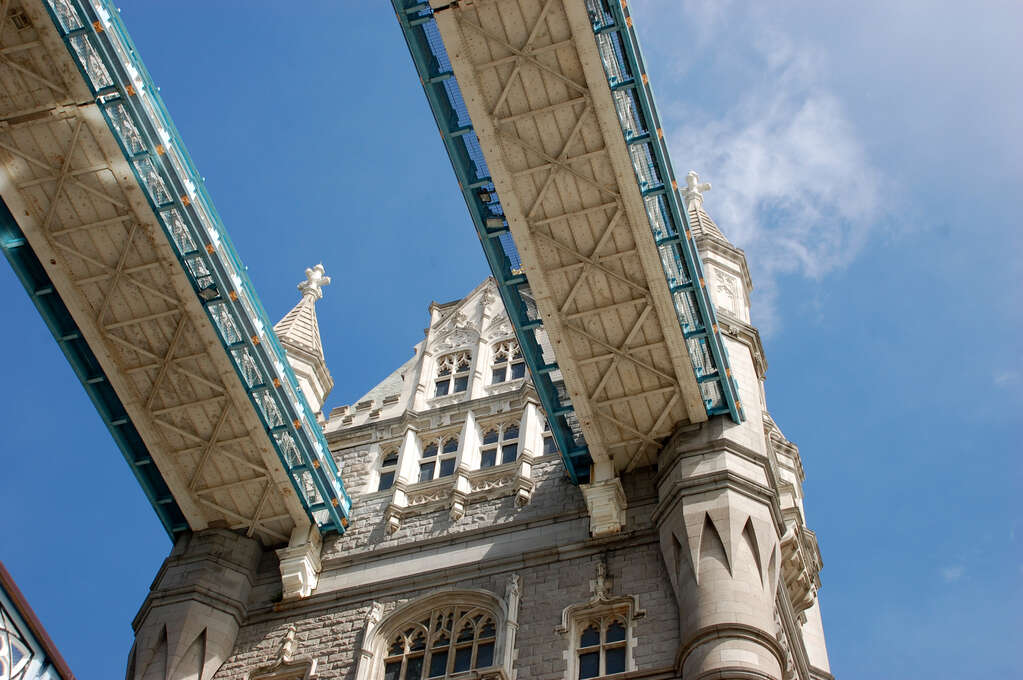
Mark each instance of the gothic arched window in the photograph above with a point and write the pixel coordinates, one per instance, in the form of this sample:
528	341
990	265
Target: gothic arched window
439	457
508	362
500	442
453	374
441	643
601	646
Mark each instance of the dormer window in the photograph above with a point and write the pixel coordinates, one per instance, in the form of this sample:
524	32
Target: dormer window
453	374
439	459
500	443
508	363
388	466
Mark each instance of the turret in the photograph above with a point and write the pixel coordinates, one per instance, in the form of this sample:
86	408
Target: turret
731	534
299	333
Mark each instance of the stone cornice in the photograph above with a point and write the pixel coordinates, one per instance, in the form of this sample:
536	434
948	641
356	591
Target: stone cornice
451	575
730	630
674	451
713	481
422	420
192	593
747	335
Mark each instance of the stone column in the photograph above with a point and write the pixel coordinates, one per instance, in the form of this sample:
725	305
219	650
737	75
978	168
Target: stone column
188	624
719	540
718	524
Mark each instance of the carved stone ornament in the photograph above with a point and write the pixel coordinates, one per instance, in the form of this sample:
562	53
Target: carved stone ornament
601	585
602	601
499	328
458	337
286	666
315	281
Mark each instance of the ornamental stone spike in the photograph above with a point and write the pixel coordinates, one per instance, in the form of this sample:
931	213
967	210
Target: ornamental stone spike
299	333
693	191
315	281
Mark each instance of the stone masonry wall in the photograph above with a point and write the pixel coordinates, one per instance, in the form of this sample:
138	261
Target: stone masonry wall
546	543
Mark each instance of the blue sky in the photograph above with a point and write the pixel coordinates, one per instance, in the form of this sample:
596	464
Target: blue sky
866	156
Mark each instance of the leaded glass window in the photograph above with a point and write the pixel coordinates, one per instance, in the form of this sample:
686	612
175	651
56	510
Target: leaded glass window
508	362
500	445
452	374
445	642
601	649
439	458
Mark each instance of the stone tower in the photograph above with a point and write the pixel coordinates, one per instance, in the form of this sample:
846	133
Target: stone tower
471	554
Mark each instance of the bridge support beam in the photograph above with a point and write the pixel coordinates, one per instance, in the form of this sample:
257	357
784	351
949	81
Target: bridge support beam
188	624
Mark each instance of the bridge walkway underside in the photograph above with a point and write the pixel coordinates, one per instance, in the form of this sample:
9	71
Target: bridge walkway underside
114	233
581	195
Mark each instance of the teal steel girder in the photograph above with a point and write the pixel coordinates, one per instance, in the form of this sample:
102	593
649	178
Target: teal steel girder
99	43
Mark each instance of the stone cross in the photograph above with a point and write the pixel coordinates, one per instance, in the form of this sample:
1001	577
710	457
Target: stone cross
693	192
314	282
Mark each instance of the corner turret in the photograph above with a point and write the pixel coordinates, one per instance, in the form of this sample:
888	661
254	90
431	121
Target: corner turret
729	281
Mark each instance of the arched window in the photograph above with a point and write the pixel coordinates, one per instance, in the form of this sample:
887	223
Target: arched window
439	457
601	646
441	643
453	374
388	466
500	445
508	363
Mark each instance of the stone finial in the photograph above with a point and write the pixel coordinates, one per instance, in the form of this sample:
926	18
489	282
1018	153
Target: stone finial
513	587
315	280
693	191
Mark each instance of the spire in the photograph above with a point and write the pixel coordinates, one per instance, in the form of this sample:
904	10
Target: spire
299	333
700	222
299	327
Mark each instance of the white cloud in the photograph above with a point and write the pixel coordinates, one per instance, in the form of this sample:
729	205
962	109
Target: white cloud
952	573
794	185
1002	378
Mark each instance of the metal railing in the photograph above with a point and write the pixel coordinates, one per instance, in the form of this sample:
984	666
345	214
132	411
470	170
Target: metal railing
669	222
